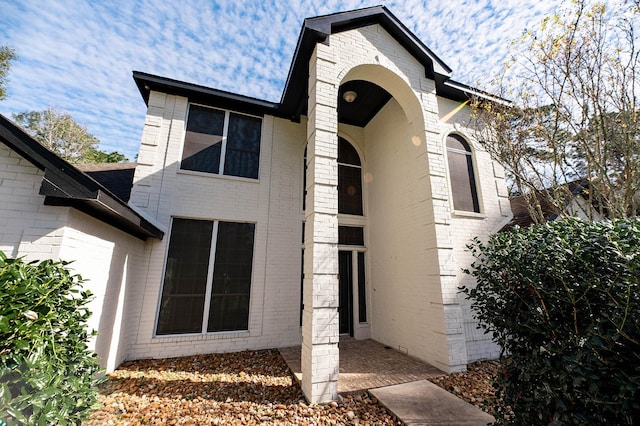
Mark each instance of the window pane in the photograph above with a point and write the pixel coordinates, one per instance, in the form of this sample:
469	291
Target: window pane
243	146
347	154
456	142
203	140
362	294
350	235
349	190
463	186
232	277
185	279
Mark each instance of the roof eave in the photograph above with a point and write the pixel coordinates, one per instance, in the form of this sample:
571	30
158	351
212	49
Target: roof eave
62	181
318	29
202	94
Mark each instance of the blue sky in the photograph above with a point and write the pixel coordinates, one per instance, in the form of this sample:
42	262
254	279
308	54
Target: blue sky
78	55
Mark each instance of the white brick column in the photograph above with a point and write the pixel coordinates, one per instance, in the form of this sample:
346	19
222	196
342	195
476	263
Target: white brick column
320	332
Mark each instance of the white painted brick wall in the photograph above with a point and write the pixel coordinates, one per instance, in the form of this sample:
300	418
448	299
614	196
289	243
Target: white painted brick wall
108	259
273	202
415	244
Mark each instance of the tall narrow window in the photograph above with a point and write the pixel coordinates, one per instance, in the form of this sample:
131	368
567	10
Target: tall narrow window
461	174
221	142
349	179
184	307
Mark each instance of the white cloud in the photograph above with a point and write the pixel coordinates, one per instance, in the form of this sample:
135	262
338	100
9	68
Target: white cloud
78	55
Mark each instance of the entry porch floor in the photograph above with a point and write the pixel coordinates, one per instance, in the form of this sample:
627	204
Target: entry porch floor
367	364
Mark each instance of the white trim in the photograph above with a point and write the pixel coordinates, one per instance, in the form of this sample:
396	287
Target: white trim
223	148
210	270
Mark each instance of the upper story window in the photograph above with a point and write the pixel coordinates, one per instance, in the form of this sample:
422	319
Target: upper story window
461	174
221	142
349	179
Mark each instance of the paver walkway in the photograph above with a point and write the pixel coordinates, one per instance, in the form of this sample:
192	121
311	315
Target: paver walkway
398	381
367	364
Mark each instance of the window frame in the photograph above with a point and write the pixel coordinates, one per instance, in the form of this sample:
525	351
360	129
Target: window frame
209	282
472	178
223	142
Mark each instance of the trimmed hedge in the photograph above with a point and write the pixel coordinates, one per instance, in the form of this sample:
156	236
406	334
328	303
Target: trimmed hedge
563	301
47	372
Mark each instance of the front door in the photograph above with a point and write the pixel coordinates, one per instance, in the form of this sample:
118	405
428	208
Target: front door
345	309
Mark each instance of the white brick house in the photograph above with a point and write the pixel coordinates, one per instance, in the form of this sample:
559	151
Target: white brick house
364	180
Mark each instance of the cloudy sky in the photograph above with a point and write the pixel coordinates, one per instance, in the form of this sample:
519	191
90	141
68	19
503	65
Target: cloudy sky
78	55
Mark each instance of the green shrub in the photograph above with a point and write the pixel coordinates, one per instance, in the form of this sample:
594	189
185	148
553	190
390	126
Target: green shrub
563	301
47	372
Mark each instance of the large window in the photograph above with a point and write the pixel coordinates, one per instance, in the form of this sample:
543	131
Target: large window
461	174
192	288
221	142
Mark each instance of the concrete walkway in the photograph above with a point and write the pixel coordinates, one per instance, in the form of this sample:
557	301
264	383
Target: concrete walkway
398	382
423	403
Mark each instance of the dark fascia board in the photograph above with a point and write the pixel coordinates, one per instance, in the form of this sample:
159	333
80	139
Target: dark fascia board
63	184
204	95
318	29
457	91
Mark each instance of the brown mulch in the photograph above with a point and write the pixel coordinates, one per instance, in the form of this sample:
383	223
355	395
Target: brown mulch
251	387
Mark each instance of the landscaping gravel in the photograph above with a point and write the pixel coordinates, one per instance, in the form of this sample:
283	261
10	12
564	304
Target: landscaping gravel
474	386
248	388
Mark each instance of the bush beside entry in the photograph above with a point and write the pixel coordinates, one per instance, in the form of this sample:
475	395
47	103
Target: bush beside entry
563	301
47	372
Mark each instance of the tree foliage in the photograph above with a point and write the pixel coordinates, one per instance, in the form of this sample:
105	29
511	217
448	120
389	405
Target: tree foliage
58	131
575	115
562	300
47	372
7	55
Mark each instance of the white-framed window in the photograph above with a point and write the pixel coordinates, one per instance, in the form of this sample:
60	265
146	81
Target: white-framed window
461	175
207	279
221	142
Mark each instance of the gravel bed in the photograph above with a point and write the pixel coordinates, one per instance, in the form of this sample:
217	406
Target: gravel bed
474	386
248	388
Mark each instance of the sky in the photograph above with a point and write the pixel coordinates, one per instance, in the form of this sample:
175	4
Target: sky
78	56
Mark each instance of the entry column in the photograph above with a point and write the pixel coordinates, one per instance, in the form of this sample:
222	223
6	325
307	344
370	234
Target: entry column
320	328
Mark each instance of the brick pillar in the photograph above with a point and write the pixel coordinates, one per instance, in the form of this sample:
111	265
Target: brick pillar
320	317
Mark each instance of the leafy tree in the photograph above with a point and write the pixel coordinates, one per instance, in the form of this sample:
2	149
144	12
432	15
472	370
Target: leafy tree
58	131
562	299
96	156
48	375
576	112
7	55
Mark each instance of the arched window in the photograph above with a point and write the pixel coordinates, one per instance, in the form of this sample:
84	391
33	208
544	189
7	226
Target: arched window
349	179
461	174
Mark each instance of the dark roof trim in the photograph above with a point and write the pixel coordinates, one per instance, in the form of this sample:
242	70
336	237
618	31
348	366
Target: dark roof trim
318	29
63	184
201	94
293	102
457	91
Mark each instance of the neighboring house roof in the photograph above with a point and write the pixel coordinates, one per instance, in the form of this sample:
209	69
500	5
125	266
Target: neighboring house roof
64	185
116	177
522	216
293	103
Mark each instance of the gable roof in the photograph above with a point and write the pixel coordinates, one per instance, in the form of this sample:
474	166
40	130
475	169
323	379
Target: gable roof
64	185
293	102
116	177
